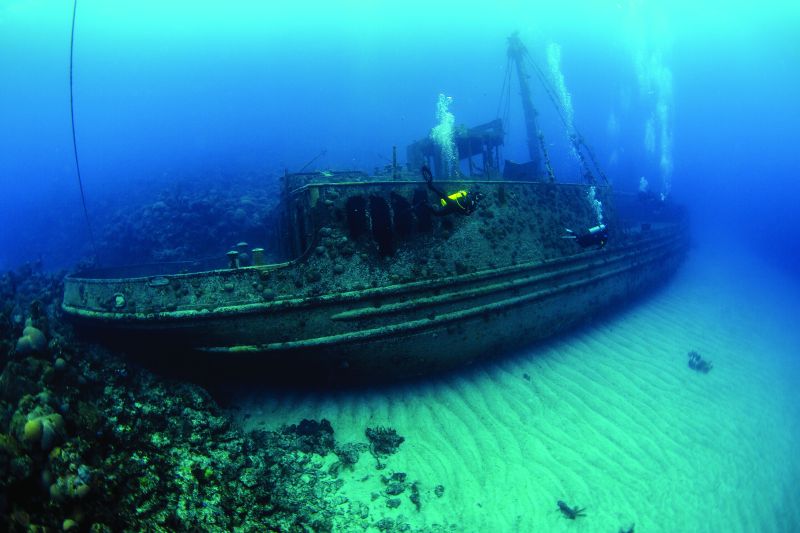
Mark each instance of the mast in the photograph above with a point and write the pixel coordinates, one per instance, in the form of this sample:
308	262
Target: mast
517	52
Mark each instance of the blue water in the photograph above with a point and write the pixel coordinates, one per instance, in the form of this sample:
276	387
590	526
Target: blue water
184	100
210	92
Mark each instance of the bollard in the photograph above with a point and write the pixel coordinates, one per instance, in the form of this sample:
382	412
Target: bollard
233	259
258	256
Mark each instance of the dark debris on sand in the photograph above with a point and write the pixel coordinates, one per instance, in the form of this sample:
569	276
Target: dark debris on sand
697	363
89	442
383	441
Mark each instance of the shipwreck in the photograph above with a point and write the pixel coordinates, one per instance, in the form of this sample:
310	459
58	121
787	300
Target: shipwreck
375	283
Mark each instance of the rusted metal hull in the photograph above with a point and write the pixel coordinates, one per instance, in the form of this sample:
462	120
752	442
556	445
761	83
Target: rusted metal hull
407	328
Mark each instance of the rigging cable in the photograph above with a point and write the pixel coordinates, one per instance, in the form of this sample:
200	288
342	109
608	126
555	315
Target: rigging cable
505	97
507	109
542	146
323	152
592	157
503	89
72	119
504	103
575	136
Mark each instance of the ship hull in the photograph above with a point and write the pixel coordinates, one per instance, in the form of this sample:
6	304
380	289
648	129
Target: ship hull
402	329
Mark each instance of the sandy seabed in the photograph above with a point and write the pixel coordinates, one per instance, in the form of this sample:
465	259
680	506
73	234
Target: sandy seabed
609	418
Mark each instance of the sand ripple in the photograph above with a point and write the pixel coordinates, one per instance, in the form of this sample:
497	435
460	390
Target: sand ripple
611	419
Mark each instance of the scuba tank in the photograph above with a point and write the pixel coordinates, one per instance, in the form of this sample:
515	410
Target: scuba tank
596	229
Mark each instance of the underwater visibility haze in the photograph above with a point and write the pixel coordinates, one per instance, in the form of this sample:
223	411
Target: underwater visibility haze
194	124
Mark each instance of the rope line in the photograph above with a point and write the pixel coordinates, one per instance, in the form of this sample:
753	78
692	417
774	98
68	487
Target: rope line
74	140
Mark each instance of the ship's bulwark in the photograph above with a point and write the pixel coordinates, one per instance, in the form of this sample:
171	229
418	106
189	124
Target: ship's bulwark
383	288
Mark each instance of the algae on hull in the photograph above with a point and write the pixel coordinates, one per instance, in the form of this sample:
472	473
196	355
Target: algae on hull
341	249
374	285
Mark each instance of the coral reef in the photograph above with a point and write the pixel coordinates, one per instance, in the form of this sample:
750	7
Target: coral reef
90	442
32	340
312	436
192	219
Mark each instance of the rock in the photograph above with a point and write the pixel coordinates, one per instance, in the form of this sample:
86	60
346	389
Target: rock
394	488
81	490
17	380
15	464
312	436
43	430
383	441
52	429
696	362
32	341
414	497
348	453
32	431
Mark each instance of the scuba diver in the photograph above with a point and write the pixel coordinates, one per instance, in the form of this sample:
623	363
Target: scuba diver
596	236
462	202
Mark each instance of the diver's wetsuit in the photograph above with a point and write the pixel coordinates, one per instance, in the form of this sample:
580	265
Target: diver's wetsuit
598	239
596	236
461	202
